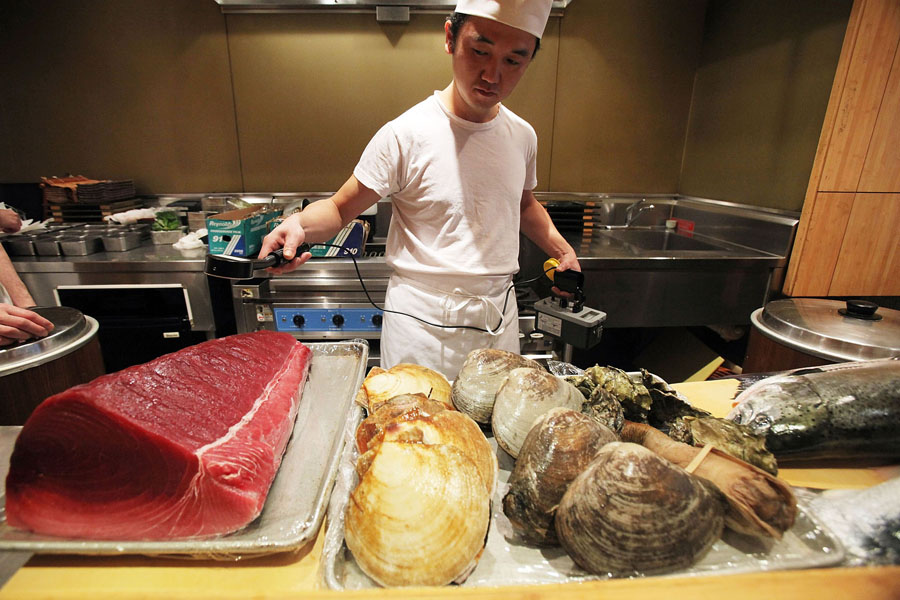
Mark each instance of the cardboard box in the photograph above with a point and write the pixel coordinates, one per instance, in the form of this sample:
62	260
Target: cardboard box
238	232
351	241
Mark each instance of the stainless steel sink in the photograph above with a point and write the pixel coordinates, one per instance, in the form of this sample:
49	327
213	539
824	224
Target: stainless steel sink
659	240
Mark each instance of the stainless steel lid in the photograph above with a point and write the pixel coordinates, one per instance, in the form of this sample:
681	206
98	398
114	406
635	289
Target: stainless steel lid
832	329
68	325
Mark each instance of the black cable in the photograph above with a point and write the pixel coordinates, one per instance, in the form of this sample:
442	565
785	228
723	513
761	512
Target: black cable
421	320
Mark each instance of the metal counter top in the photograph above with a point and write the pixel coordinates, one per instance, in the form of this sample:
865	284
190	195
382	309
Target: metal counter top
148	257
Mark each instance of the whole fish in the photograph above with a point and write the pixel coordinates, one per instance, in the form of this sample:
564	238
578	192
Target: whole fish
843	411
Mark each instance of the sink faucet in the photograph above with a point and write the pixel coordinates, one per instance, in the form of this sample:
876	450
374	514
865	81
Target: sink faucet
635	209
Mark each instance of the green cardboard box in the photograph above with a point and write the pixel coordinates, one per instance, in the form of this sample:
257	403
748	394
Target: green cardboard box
238	232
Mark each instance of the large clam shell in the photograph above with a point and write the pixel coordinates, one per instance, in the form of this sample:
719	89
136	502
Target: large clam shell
632	511
380	386
371	430
560	445
479	379
525	395
419	515
444	427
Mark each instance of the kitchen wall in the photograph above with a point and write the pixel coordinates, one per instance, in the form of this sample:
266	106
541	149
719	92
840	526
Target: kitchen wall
184	99
760	94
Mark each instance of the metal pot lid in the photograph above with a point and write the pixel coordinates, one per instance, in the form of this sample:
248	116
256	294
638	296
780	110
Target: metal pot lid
832	329
68	325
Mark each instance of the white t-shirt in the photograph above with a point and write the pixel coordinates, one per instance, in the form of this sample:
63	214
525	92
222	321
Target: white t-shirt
456	189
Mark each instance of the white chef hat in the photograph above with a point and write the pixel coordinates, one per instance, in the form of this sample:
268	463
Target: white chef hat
527	15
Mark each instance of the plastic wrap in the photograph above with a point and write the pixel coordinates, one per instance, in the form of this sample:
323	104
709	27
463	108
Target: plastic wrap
508	560
297	500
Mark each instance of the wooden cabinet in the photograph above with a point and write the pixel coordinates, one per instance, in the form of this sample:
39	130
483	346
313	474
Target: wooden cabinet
848	239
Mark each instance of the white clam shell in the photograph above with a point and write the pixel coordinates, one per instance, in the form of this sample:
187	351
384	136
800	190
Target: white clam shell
525	395
479	379
419	515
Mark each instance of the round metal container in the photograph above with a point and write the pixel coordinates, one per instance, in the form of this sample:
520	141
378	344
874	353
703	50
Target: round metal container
831	329
71	330
36	369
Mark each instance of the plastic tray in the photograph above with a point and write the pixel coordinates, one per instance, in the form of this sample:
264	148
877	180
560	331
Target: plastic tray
507	560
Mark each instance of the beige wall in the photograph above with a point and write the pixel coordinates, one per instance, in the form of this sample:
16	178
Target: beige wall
760	96
182	98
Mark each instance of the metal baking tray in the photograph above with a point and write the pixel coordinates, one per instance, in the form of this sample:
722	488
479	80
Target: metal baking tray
507	560
297	500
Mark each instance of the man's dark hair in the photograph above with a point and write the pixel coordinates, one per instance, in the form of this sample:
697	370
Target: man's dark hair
456	20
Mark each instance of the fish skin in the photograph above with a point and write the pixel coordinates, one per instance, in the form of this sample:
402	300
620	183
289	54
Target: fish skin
850	410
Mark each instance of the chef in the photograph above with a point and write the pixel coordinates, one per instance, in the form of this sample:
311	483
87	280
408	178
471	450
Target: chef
16	322
460	169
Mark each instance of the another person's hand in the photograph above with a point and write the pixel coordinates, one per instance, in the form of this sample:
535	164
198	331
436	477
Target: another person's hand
17	324
9	221
288	235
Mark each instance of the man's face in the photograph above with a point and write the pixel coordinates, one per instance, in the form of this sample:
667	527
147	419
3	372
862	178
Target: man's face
489	58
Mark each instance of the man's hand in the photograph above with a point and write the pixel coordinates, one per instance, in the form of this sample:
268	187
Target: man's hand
288	235
566	263
18	324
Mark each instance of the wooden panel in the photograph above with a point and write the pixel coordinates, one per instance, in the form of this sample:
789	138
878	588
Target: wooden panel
822	244
869	262
867	77
881	172
834	99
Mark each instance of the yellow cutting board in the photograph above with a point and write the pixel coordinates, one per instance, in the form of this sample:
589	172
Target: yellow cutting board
717	396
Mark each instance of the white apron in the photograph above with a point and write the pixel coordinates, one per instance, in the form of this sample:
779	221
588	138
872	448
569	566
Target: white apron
443	301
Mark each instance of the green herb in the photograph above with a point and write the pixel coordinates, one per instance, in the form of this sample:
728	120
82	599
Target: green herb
166	221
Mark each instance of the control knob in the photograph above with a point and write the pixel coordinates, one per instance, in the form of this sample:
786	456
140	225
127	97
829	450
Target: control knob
338	320
376	320
299	321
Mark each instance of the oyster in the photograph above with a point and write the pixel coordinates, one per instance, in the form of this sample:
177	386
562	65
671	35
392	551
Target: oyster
523	396
560	445
479	379
758	504
605	409
632	511
381	385
371	430
419	515
443	427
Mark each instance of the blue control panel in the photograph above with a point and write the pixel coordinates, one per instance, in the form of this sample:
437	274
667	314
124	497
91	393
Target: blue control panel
328	319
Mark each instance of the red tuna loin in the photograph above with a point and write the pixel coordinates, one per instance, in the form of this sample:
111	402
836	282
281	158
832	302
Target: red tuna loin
186	445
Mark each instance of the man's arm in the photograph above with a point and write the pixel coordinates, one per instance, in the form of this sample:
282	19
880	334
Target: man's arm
536	224
318	222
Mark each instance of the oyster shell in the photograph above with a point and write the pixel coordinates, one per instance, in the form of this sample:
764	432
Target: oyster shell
371	430
523	396
479	379
632	511
380	386
419	515
444	427
560	445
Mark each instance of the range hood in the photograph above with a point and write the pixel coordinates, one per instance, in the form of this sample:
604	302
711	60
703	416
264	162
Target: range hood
385	10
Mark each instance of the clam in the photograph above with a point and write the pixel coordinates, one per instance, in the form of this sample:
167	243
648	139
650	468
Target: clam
380	386
759	504
371	430
631	511
419	515
444	427
479	379
560	445
523	396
